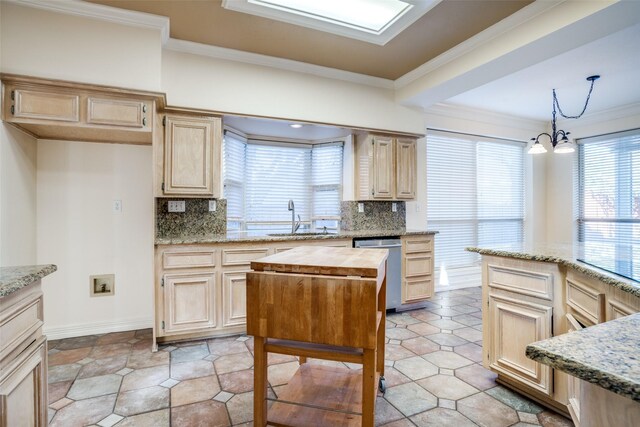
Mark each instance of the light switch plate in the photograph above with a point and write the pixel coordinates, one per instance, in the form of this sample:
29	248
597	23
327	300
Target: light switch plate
394	207
360	207
176	205
117	206
212	205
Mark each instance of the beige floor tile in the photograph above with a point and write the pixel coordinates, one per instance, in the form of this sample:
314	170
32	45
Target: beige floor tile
237	382
110	365
84	412
397	352
423	328
447	359
147	360
66	357
195	390
159	418
233	362
189	370
385	412
420	345
146	377
486	411
95	386
410	399
477	376
143	400
202	414
240	408
282	373
416	368
551	419
447	387
441	417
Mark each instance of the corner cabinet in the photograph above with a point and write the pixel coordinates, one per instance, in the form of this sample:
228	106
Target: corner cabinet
191	156
385	167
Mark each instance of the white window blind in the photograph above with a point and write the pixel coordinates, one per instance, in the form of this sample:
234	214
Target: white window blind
261	177
326	181
233	166
609	199
475	194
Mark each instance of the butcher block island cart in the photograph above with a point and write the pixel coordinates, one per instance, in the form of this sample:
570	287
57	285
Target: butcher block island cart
324	303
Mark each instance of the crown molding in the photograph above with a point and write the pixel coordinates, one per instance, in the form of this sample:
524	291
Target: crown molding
274	62
101	12
485	116
522	16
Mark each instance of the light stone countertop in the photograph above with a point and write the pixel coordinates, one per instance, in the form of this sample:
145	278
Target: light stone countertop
567	255
607	354
263	236
13	279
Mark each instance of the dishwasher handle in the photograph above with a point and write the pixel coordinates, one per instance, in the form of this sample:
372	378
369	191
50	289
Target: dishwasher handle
381	246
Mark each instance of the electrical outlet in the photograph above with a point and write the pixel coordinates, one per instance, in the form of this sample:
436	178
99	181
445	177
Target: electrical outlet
117	206
360	207
394	207
176	205
417	207
212	205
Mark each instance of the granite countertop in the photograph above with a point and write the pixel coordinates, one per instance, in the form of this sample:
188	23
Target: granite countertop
13	279
568	255
605	354
263	236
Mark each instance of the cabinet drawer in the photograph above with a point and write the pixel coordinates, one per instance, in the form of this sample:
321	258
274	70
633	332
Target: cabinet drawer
39	105
418	265
587	302
204	258
242	256
116	112
618	310
18	324
526	282
417	289
418	245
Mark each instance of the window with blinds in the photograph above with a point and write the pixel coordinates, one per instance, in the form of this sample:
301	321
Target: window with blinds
475	195
609	200
261	177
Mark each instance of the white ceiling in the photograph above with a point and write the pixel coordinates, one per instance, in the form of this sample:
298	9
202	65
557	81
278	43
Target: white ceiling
281	129
528	93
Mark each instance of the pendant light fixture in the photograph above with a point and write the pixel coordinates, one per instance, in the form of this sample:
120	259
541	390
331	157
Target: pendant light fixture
559	138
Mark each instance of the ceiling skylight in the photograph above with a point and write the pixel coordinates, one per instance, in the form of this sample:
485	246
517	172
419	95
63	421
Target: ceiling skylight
365	15
374	21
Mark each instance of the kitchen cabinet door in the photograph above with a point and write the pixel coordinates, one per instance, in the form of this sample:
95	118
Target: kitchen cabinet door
406	169
192	156
42	106
417	268
514	325
189	302
234	298
573	382
383	168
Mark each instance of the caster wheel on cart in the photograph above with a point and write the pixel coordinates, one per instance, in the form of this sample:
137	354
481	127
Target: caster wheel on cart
382	385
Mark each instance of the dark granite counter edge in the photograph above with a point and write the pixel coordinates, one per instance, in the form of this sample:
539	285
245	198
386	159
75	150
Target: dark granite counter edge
606	277
607	380
13	279
224	238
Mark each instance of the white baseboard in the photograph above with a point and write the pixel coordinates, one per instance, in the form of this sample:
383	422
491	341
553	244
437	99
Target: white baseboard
78	330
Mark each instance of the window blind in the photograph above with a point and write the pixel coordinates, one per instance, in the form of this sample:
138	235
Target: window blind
475	194
326	181
609	196
233	170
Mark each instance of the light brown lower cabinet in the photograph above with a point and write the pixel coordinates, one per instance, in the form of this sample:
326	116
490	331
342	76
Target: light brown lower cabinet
573	394
417	268
201	288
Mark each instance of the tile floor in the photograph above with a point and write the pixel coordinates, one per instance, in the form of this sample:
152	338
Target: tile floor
433	373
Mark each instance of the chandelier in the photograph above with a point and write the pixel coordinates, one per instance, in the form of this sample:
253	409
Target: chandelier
559	138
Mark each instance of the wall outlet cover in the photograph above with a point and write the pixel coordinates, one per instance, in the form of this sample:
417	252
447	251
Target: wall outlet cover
117	206
102	285
360	207
212	205
176	206
394	207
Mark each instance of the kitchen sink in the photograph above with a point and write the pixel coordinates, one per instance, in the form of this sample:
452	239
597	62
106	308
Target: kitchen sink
303	234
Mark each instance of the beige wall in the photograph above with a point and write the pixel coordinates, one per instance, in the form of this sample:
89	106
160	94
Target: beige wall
65	47
78	230
17	197
215	84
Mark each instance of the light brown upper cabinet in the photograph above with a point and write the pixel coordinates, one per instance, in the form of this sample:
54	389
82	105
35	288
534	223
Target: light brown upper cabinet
192	158
385	167
52	109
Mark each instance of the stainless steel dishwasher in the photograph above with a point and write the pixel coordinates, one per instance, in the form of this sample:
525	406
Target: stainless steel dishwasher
394	288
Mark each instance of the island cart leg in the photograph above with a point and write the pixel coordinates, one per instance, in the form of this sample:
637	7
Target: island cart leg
382	329
368	387
259	382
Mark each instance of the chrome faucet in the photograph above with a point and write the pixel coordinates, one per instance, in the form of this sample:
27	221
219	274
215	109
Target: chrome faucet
294	225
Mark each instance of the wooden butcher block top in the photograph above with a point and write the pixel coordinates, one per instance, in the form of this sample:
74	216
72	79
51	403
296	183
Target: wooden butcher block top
325	261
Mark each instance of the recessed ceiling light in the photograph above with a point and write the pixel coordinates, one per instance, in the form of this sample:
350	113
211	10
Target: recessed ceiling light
296	125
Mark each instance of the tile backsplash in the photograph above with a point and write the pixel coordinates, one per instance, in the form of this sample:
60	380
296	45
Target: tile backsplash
377	215
195	220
